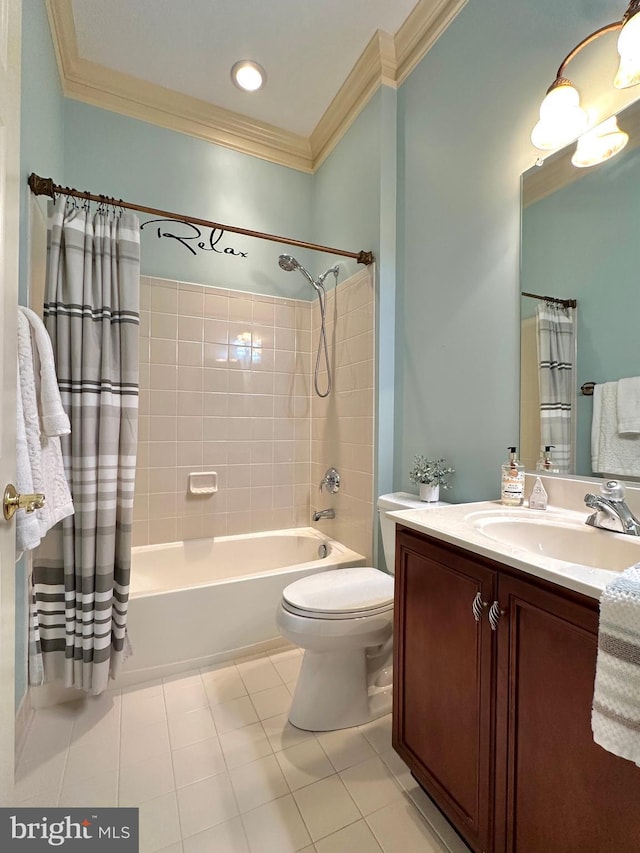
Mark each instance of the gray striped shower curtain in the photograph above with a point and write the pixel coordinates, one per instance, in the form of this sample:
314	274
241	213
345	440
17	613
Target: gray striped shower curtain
81	570
556	354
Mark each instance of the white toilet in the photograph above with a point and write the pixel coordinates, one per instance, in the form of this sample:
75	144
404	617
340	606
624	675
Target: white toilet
343	619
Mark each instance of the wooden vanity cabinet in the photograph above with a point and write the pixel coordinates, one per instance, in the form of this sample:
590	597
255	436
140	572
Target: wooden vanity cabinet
495	725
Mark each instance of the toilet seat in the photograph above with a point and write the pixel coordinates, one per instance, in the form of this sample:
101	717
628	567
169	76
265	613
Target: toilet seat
340	594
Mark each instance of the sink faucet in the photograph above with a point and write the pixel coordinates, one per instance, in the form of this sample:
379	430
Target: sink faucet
324	513
611	502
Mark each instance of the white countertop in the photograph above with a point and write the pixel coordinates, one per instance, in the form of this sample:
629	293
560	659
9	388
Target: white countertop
448	524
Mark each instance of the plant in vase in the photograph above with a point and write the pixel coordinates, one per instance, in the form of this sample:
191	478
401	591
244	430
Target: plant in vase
431	475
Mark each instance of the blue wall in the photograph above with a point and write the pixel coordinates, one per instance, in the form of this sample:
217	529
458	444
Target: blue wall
118	156
465	114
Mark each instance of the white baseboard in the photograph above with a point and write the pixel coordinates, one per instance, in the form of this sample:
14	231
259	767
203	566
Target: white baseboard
139	676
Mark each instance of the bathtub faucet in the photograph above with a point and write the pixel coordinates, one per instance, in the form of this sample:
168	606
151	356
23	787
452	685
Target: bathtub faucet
324	513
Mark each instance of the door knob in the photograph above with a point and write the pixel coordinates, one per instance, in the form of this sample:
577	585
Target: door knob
12	501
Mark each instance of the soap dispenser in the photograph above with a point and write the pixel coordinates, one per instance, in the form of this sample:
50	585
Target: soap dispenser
546	465
512	485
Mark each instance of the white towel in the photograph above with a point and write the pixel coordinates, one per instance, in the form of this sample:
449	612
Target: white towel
55	420
611	453
40	403
628	406
615	717
27	524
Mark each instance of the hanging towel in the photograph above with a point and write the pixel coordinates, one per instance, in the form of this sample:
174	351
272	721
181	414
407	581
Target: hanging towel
27	524
611	453
629	406
615	718
43	420
54	419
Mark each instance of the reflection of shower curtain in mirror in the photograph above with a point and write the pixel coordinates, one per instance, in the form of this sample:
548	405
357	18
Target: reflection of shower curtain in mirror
556	352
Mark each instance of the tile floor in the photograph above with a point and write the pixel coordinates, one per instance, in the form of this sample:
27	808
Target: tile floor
214	767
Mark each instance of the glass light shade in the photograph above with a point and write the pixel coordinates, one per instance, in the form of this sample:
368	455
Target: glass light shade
628	73
248	75
599	144
562	119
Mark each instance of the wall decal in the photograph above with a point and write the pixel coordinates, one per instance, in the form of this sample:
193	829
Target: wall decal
192	239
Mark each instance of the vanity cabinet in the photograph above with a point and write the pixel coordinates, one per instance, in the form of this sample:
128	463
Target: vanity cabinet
495	725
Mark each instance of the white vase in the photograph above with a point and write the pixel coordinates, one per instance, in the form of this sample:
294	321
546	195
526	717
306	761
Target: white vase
429	493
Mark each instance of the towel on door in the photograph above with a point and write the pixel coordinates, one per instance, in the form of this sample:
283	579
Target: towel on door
611	453
41	422
615	717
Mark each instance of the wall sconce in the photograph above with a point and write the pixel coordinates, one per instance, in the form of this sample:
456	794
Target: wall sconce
562	119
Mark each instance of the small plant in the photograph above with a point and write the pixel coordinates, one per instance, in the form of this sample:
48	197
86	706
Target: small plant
430	472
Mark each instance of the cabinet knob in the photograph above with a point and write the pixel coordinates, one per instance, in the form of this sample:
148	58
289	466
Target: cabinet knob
495	612
478	606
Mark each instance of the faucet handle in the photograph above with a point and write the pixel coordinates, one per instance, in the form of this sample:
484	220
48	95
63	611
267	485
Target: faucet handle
331	481
614	490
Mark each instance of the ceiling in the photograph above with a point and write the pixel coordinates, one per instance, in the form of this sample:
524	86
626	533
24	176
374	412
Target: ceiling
169	62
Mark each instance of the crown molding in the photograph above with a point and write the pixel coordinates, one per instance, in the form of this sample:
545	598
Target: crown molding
386	61
375	67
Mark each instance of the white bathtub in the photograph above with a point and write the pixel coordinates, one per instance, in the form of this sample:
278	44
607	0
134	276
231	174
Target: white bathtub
195	603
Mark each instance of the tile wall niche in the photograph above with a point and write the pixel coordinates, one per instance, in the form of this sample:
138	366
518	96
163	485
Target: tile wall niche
226	386
342	431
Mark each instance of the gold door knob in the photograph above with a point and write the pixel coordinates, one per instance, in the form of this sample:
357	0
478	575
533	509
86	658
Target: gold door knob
12	501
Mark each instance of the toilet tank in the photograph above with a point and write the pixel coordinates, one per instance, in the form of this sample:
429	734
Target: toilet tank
393	503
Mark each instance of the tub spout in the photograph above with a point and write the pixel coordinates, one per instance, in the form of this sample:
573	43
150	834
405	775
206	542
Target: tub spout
324	513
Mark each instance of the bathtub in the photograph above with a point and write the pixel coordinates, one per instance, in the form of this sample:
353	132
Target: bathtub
196	603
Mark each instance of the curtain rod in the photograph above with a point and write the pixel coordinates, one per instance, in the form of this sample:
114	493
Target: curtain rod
568	303
45	186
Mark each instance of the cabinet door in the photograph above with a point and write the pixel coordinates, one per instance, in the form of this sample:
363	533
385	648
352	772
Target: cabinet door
442	680
556	790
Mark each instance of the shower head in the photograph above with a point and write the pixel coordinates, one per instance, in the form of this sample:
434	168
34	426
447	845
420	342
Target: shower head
289	263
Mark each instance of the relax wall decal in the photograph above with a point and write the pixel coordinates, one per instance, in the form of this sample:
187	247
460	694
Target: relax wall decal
192	239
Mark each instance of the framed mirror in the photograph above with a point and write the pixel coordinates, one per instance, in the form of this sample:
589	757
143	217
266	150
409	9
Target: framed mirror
581	241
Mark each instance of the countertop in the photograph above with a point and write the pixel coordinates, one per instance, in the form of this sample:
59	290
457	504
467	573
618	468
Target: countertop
448	524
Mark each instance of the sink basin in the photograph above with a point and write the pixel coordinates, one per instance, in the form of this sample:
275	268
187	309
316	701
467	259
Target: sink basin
566	539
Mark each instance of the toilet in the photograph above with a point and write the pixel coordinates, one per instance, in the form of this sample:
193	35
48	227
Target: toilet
343	619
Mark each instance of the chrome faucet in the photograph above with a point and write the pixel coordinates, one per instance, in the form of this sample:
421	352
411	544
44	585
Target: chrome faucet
324	513
611	503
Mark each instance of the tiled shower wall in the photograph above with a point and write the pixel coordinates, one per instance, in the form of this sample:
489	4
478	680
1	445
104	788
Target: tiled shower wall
343	423
226	386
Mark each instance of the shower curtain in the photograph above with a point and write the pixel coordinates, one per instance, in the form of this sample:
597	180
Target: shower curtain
81	570
555	326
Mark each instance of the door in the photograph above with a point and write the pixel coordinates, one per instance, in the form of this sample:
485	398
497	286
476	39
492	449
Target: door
10	44
556	789
443	680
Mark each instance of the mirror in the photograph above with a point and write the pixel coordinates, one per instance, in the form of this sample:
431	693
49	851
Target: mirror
581	240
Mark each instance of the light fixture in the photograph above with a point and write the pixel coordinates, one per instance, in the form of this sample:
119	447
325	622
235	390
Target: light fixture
562	119
599	144
248	75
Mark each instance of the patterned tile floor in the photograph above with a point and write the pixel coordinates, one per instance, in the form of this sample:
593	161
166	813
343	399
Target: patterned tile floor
214	767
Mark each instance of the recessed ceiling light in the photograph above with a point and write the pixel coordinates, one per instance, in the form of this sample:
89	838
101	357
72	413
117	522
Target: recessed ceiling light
248	75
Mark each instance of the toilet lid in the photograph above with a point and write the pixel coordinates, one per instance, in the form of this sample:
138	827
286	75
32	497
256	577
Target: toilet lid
341	591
